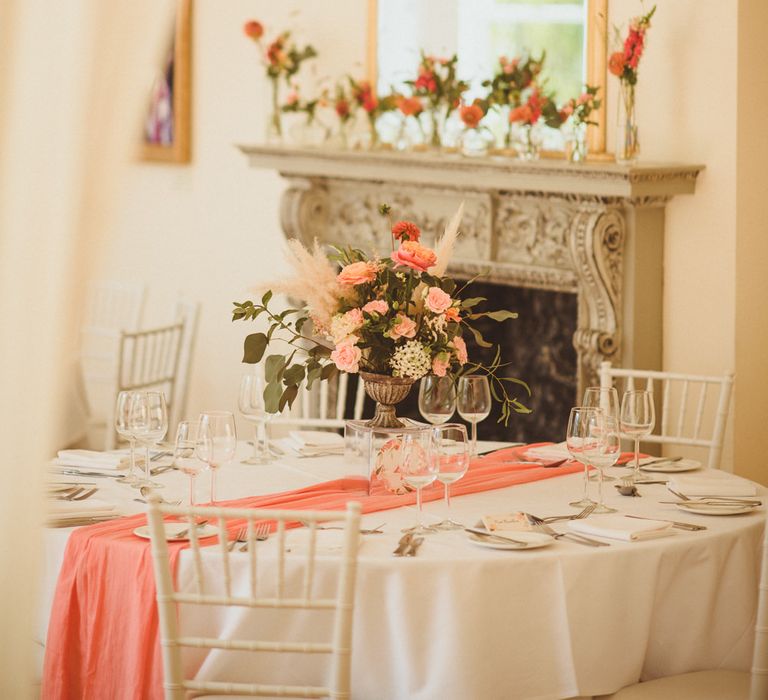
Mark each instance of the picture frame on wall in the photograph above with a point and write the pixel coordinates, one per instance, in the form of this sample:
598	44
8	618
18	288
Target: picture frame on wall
166	131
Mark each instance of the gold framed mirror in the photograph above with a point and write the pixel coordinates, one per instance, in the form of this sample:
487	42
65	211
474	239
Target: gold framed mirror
166	131
587	18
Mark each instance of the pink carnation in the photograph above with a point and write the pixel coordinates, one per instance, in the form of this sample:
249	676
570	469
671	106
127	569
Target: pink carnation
404	327
437	300
461	349
414	255
347	356
358	273
440	364
377	306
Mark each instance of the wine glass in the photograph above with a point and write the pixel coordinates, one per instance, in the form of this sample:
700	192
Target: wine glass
216	442
637	419
582	442
604	453
437	398
474	402
185	457
606	398
124	428
450	452
418	470
150	423
251	404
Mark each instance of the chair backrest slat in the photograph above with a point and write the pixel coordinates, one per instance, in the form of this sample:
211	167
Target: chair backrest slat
665	407
682	409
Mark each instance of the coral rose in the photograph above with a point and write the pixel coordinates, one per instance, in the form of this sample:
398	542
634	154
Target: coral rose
358	273
471	115
347	357
404	327
452	314
413	255
440	364
437	300
616	63
461	349
377	306
406	231
342	108
410	106
254	30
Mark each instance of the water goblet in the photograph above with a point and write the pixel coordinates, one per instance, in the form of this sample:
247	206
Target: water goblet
216	443
185	457
636	420
607	399
251	404
124	428
474	402
150	422
581	442
418	470
437	398
604	453
450	452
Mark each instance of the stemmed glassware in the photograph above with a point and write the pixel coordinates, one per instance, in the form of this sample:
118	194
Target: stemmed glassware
251	404
216	442
185	457
604	453
474	402
418	470
150	424
450	452
125	429
582	443
437	398
637	420
607	399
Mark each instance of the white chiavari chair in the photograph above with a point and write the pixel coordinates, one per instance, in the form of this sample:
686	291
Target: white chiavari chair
189	313
268	581
692	409
717	684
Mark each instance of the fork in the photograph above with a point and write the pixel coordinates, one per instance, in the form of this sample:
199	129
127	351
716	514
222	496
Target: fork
582	514
240	536
574	537
85	495
363	531
70	495
260	534
724	499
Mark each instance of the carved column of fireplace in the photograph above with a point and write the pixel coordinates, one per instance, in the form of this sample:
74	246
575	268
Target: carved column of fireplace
595	230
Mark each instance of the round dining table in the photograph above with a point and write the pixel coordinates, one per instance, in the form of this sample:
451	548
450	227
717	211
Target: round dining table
461	620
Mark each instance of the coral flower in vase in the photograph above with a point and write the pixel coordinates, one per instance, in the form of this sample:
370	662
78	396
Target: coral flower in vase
364	97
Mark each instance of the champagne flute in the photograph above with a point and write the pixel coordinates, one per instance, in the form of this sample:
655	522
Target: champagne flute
124	428
217	442
604	453
185	457
637	420
582	442
418	470
474	402
150	421
251	404
437	398
606	398
450	452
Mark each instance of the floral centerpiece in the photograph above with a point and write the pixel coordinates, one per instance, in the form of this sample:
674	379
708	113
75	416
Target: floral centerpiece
624	65
282	59
393	319
577	113
364	97
437	84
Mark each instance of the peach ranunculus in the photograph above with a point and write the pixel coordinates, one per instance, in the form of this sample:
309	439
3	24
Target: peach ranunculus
452	314
254	29
437	300
440	364
471	115
410	106
616	63
406	231
347	357
413	255
377	306
461	349
358	273
404	327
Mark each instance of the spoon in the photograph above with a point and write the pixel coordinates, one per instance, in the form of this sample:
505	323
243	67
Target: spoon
147	491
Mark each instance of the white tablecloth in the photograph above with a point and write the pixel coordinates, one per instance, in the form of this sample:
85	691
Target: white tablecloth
461	621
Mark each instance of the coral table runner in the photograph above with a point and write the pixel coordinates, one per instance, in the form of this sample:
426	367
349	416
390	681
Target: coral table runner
103	635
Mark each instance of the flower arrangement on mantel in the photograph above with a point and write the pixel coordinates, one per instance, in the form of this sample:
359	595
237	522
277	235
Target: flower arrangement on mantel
398	316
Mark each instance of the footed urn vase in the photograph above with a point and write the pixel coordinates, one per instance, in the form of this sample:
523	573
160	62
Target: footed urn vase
387	392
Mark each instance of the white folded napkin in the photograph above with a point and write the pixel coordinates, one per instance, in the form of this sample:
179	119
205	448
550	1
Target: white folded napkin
91	508
90	459
712	483
556	451
619	527
308	442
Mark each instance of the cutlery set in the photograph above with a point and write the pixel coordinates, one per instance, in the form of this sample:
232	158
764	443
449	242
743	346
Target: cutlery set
408	545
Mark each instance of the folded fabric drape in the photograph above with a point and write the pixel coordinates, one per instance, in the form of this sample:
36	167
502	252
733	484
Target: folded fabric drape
103	639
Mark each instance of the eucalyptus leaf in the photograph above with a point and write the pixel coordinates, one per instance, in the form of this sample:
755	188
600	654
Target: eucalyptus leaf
482	342
293	375
289	396
253	348
273	368
267	296
272	395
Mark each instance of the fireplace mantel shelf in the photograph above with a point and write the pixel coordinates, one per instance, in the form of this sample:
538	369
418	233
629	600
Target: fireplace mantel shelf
592	229
606	179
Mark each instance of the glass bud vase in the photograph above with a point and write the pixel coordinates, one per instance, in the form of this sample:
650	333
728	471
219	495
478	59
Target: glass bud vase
627	143
475	142
576	143
527	142
274	133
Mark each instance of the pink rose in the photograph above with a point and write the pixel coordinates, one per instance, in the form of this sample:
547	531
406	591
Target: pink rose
354	317
440	364
584	98
404	327
292	98
347	356
437	300
358	273
414	255
461	349
377	306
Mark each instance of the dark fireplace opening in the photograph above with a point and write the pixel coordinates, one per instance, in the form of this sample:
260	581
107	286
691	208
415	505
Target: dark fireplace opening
539	347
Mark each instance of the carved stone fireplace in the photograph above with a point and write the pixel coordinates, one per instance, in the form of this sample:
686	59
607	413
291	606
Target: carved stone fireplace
594	230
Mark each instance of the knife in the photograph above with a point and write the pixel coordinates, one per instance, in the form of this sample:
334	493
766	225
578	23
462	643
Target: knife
493	535
416	542
403	545
675	523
